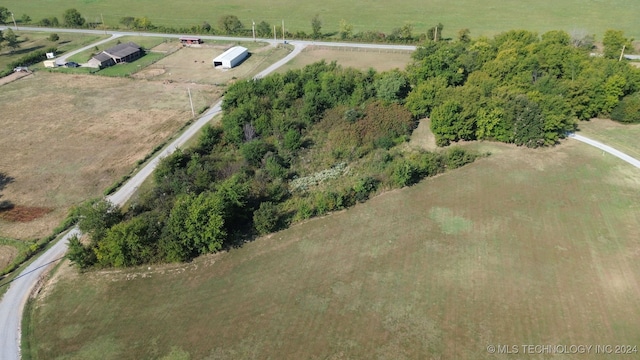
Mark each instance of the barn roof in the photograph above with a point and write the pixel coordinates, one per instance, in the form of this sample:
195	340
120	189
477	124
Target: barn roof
123	50
102	57
230	54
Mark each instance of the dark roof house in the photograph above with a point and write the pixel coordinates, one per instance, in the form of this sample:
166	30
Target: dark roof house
120	53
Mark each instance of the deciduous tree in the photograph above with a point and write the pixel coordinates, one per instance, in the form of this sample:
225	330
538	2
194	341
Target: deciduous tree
316	27
229	24
73	18
613	42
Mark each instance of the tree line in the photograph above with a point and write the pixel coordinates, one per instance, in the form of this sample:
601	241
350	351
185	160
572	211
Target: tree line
290	146
520	88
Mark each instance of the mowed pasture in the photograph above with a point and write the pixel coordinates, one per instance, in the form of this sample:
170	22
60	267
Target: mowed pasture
485	17
624	137
66	138
361	59
522	247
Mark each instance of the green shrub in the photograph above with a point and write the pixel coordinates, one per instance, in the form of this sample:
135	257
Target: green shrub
265	219
628	109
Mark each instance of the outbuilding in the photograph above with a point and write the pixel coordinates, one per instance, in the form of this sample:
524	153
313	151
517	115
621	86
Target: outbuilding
190	40
50	63
231	57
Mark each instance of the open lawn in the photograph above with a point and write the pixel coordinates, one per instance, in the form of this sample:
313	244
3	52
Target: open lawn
32	41
143	41
523	247
481	17
624	137
79	135
362	59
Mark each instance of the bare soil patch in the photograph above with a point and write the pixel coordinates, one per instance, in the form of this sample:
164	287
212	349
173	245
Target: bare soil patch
13	77
23	213
71	136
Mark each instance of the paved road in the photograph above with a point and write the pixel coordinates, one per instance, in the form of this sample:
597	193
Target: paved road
223	38
13	302
619	154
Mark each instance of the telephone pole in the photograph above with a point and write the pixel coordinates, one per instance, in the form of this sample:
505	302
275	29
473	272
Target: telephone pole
282	30
275	37
14	21
104	26
622	52
253	30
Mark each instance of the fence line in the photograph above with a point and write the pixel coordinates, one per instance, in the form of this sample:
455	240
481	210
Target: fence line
355	49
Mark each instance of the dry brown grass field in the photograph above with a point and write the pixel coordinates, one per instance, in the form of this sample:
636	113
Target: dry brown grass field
361	59
522	247
68	137
194	64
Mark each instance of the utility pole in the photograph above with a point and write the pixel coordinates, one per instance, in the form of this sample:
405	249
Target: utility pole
104	26
275	37
253	30
282	30
622	52
435	34
14	21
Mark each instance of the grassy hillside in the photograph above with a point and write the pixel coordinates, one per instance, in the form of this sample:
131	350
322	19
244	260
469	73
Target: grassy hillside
482	17
522	247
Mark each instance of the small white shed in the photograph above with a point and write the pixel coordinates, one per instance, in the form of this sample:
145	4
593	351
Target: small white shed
50	63
231	57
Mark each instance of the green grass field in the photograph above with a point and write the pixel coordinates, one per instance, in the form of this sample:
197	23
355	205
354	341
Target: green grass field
624	137
32	41
482	17
522	247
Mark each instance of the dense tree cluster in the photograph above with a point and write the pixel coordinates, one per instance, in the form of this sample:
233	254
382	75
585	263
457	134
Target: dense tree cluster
290	146
517	87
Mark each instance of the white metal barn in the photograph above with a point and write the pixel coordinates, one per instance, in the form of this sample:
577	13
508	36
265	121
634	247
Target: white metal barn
231	57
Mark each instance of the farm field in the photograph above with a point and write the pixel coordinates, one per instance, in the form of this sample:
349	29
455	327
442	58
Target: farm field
482	17
81	133
350	57
522	247
624	137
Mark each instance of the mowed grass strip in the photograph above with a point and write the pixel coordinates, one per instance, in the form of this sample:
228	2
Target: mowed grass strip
482	17
522	247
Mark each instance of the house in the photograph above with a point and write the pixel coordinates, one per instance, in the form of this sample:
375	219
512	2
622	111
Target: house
120	53
231	57
190	40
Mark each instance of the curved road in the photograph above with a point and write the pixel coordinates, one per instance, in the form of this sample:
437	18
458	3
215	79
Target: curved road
13	302
619	154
